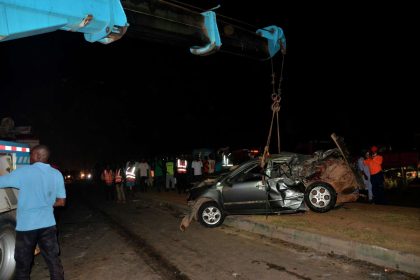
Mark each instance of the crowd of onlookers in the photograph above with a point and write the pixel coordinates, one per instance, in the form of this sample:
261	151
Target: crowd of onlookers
122	181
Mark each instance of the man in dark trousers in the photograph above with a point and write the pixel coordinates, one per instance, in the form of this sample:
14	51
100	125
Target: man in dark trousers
374	162
41	188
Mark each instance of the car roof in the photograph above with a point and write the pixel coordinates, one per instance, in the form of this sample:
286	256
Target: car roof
282	157
288	157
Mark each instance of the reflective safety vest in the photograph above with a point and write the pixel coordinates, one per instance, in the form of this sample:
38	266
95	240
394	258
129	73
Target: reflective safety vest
170	168
374	164
108	178
118	177
181	165
130	175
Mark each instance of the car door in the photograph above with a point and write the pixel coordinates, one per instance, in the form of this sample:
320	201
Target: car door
244	192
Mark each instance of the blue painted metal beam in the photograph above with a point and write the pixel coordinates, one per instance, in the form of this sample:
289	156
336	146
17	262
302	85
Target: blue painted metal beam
100	20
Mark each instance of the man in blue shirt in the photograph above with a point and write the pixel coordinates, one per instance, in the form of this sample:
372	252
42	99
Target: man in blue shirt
41	188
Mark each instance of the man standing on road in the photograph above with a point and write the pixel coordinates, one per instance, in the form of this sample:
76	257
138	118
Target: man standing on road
364	170
130	178
119	184
144	170
108	179
41	188
374	162
170	174
197	166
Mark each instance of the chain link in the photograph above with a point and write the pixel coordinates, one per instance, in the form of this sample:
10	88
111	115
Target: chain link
275	108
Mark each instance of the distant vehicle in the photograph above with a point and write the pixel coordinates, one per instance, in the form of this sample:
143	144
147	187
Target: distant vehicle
286	183
69	176
73	176
399	177
85	175
239	156
68	179
400	168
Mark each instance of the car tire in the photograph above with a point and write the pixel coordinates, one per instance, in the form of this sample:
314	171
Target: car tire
320	197
7	247
210	214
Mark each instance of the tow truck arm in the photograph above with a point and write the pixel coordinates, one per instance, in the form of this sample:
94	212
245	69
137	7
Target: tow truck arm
106	21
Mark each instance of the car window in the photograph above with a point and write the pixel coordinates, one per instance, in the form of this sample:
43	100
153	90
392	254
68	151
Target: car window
250	174
278	170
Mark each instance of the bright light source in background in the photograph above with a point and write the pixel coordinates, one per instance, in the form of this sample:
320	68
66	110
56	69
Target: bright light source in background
89	176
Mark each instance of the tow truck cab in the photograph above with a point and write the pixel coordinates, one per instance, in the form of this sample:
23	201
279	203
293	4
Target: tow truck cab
12	155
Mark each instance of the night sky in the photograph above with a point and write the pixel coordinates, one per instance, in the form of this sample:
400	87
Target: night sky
346	71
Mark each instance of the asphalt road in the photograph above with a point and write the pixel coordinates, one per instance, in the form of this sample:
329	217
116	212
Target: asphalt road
140	240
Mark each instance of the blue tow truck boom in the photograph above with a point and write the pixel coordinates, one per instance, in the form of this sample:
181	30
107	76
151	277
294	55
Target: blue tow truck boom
106	21
102	21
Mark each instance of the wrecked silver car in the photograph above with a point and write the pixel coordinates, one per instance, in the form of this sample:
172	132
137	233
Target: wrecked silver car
283	183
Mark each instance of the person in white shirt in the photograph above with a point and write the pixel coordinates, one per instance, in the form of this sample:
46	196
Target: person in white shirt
364	170
197	166
144	170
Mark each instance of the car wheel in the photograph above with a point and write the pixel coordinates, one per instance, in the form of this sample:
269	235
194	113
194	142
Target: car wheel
320	197
210	214
7	249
